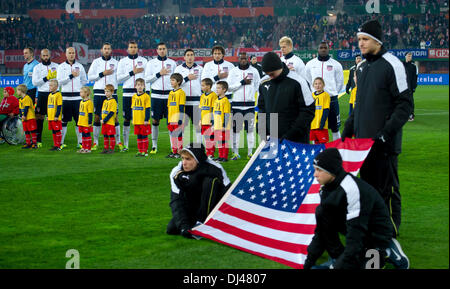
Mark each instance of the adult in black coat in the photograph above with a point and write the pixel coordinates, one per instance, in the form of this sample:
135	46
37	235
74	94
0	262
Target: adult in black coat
351	82
197	185
285	93
412	72
383	105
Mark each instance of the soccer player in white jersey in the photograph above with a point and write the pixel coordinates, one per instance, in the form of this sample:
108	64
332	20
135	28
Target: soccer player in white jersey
157	73
42	73
191	86
292	61
130	68
103	71
71	77
218	68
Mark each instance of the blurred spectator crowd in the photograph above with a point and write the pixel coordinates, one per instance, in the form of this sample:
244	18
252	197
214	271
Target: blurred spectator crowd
306	30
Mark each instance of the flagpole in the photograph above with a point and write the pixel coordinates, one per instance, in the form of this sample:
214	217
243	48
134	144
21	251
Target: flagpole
236	182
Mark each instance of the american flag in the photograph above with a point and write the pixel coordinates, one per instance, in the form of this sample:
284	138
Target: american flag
269	209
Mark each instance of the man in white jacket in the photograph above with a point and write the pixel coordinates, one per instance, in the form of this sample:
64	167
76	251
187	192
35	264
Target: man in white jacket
331	72
292	61
129	69
71	77
103	71
218	68
157	74
42	73
243	82
191	85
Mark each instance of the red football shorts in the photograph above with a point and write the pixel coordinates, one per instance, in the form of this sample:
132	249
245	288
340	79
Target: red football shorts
29	125
319	135
142	129
108	129
207	129
54	125
172	126
85	129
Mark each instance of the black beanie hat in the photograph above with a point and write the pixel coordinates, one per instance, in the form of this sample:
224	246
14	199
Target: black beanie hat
372	28
197	151
271	62
329	160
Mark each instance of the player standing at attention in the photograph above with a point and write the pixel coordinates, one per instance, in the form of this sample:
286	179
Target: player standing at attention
28	117
109	111
207	106
243	82
217	69
292	61
319	125
42	73
331	72
129	69
103	71
71	77
191	85
175	107
222	121
85	120
54	112
141	105
157	73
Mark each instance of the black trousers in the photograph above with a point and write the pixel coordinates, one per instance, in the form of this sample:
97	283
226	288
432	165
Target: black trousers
329	226
380	169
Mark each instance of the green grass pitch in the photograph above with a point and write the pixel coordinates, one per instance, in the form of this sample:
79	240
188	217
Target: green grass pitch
114	208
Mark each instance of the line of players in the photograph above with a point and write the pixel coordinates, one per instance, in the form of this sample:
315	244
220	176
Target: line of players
243	82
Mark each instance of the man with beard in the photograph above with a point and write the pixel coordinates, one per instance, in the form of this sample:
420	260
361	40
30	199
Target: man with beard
42	73
103	71
383	106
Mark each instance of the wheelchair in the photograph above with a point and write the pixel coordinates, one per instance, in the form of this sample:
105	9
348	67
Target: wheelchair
11	131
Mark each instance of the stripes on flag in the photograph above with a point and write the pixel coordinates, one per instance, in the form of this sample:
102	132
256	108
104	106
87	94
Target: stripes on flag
269	210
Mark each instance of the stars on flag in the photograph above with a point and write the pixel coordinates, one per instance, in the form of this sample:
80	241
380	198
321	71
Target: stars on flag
283	179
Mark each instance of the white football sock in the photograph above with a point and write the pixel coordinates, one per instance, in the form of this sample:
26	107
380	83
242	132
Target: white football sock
126	135
63	136
155	132
336	135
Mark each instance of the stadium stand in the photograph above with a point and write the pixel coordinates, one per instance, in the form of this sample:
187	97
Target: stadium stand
307	28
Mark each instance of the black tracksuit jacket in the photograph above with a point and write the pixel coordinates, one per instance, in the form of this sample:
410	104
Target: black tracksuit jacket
357	210
283	95
383	100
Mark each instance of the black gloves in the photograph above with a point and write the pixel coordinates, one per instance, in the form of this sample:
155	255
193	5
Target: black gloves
383	141
185	233
347	133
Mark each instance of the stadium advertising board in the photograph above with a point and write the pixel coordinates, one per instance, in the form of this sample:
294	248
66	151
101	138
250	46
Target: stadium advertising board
15	80
14	57
439	53
199	52
432	79
10	80
400	53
